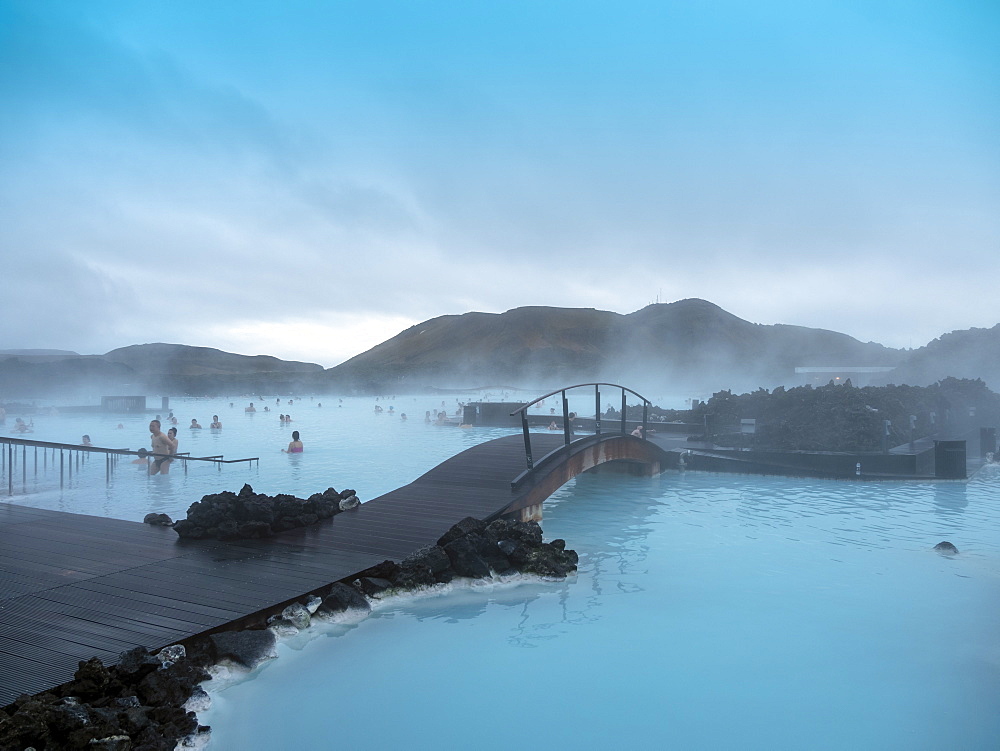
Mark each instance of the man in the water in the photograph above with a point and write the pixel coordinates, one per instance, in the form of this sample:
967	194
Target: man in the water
161	445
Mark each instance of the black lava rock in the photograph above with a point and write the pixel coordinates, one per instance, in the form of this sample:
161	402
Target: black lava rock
245	648
464	527
341	598
465	558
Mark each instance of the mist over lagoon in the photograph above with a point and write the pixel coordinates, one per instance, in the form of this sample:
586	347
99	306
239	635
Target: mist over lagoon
698	201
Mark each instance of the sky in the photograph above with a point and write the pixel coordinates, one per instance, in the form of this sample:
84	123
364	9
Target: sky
307	179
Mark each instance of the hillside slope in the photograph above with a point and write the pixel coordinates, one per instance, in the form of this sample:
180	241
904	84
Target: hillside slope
688	343
970	353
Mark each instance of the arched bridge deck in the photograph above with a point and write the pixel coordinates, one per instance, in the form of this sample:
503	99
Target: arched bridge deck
478	481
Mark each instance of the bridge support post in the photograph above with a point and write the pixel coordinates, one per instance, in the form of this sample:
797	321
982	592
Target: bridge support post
527	439
567	428
623	411
530	513
597	410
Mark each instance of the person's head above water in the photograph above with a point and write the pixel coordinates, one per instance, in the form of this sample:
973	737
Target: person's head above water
295	435
154	426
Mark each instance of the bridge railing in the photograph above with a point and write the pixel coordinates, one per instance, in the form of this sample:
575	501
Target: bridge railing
9	458
568	416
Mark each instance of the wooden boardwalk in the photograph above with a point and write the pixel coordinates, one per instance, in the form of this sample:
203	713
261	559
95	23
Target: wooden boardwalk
74	587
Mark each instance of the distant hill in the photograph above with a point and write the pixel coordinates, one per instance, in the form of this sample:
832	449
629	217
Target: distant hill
156	369
24	377
690	343
184	360
970	353
38	355
179	368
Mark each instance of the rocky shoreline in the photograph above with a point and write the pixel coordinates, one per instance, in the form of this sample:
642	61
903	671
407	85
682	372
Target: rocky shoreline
149	702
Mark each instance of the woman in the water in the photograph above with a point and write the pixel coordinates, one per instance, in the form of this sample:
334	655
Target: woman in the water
295	447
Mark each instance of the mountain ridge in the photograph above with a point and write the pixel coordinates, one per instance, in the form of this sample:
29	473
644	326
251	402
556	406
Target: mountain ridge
690	344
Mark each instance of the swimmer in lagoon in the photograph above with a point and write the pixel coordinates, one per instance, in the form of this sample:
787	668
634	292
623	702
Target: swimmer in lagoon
172	437
194	424
215	425
295	447
86	441
161	445
251	408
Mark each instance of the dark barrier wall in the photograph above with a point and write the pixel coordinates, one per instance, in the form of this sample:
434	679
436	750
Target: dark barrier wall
123	403
949	460
815	463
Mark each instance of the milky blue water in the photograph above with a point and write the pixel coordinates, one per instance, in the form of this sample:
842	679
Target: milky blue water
709	611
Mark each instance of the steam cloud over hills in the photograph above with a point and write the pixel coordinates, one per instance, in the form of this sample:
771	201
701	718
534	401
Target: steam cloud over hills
690	344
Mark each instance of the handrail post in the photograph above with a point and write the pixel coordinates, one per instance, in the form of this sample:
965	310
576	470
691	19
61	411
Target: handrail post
645	414
567	430
623	411
597	413
61	466
527	438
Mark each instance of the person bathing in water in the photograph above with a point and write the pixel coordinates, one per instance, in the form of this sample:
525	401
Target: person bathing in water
295	447
161	444
172	437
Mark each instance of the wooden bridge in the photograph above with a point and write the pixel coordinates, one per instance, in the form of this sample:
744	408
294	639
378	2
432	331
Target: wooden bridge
74	587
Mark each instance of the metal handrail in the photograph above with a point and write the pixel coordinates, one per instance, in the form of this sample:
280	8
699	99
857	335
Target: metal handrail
567	429
111	457
120	452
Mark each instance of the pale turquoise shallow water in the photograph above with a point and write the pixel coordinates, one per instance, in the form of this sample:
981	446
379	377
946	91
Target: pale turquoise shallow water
710	611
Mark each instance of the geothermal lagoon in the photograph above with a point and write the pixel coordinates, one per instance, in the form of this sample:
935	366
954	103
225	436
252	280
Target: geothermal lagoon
709	610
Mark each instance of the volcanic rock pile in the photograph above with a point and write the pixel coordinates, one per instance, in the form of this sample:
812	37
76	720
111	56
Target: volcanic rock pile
138	705
473	549
249	515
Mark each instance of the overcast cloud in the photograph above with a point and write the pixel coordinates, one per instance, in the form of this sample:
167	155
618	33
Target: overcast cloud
306	179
